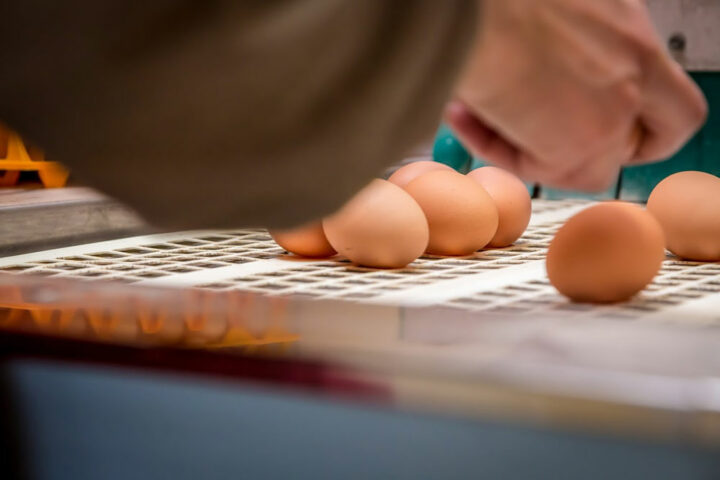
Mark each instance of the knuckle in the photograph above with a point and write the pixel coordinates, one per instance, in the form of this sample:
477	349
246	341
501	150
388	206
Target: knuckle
641	30
647	44
593	184
630	93
564	176
601	184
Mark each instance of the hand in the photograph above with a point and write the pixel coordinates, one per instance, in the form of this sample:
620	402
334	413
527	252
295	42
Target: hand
565	92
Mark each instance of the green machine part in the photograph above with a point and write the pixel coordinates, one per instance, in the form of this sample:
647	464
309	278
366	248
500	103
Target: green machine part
635	183
447	149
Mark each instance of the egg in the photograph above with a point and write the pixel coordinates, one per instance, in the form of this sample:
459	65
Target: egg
307	241
382	227
411	171
606	253
512	200
687	205
462	216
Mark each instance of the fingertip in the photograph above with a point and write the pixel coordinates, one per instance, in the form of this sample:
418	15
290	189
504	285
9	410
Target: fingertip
478	137
461	119
590	182
454	109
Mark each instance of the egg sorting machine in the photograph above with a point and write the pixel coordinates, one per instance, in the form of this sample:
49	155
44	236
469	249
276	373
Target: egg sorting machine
360	360
262	365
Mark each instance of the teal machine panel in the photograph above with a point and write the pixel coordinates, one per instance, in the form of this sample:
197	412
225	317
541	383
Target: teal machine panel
635	183
447	149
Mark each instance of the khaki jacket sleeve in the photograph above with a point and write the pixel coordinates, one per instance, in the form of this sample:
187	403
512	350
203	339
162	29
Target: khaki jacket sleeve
229	113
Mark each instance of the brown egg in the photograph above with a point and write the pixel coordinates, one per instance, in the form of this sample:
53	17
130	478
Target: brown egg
512	200
307	241
407	173
606	253
381	227
461	214
687	205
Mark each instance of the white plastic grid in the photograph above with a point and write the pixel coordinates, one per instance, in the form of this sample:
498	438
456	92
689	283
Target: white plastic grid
510	280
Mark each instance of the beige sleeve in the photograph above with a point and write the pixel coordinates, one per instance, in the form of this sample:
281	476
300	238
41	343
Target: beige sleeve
229	113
